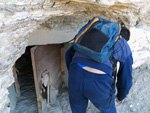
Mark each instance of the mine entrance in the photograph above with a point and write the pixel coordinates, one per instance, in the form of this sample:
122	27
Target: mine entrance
38	76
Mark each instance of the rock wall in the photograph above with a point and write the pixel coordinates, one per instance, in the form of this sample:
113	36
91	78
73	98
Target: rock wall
19	18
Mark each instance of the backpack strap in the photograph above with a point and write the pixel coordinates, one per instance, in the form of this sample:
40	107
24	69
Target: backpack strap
114	74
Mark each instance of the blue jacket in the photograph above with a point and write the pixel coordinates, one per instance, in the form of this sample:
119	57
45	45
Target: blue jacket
121	53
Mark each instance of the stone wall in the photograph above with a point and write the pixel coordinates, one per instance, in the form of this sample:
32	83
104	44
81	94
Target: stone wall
19	18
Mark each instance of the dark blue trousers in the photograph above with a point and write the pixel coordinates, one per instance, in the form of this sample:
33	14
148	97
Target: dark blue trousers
84	86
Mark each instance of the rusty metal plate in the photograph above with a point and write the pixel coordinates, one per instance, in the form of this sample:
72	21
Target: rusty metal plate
46	62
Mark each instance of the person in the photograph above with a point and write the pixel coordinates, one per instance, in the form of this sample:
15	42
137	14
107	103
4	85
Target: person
90	80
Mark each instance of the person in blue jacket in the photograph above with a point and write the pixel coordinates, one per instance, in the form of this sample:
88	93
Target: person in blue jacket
90	80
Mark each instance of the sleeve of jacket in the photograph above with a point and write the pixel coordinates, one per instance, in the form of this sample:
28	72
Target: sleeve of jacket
124	78
69	55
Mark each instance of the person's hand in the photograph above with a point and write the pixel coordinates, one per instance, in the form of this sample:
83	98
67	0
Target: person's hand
118	101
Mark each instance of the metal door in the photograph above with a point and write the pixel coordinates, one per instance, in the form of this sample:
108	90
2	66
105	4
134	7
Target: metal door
47	68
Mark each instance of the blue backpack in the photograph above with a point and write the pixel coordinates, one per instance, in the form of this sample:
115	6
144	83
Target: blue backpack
97	38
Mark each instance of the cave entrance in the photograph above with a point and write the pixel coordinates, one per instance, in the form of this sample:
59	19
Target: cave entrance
39	74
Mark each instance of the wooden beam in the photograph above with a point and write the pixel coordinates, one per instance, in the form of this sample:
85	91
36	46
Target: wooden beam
17	86
36	80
